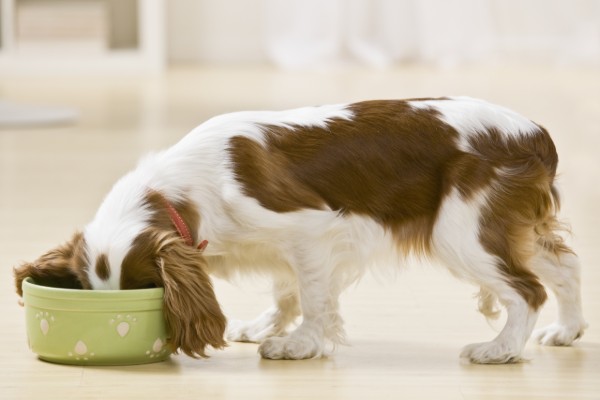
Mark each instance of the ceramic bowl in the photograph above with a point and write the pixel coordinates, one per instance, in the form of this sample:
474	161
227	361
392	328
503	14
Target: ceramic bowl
95	327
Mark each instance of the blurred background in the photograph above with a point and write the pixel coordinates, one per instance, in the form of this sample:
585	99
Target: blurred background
294	50
150	35
384	33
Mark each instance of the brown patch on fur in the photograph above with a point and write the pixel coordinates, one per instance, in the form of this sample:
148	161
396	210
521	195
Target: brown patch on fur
138	268
388	163
523	203
194	317
192	312
265	176
156	201
102	267
469	174
159	258
63	267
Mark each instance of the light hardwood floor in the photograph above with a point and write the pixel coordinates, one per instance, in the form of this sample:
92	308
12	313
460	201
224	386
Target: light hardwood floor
405	333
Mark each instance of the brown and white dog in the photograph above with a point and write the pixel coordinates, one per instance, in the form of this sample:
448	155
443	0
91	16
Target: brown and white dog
315	195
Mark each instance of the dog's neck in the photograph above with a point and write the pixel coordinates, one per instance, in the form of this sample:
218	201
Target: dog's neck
181	226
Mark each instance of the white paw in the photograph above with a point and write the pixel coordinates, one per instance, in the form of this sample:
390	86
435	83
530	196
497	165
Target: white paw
558	334
293	347
250	332
491	353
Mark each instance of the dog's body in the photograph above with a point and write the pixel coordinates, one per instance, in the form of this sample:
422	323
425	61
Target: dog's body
313	196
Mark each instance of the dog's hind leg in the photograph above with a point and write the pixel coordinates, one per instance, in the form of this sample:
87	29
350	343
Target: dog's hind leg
462	241
558	267
510	342
273	321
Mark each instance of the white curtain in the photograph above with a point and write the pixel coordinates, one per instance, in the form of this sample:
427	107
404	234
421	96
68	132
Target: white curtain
305	33
379	33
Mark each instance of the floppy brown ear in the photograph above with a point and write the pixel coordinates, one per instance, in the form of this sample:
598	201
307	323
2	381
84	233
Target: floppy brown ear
191	309
61	267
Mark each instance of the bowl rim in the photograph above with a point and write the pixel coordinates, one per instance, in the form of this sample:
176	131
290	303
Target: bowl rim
33	289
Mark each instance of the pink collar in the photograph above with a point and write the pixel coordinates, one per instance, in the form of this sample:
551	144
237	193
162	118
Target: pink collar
182	227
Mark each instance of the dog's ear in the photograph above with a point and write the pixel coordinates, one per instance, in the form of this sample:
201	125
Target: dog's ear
193	315
61	267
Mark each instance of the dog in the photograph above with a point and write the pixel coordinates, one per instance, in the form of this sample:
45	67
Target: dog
313	197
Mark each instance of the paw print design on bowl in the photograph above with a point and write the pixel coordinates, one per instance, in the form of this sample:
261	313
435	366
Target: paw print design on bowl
46	319
80	352
122	324
158	349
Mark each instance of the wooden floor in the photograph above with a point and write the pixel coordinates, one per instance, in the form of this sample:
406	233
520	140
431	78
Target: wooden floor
405	333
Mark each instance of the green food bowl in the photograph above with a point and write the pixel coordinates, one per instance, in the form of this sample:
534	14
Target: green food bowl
95	327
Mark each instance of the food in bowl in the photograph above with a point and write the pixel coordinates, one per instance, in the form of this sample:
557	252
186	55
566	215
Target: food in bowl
95	327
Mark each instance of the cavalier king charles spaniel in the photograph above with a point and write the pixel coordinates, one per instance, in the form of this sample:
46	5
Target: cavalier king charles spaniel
313	197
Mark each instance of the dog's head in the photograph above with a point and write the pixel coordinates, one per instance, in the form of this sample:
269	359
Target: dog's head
155	256
63	267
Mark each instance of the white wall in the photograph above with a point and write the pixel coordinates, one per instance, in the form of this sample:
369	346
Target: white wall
225	31
297	33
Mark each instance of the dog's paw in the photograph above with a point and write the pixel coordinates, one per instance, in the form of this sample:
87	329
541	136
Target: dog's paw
292	347
249	332
558	334
491	353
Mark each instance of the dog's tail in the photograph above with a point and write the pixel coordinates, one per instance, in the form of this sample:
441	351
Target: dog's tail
488	304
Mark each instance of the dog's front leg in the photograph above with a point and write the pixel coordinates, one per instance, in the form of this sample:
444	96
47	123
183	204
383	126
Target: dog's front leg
275	320
319	306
